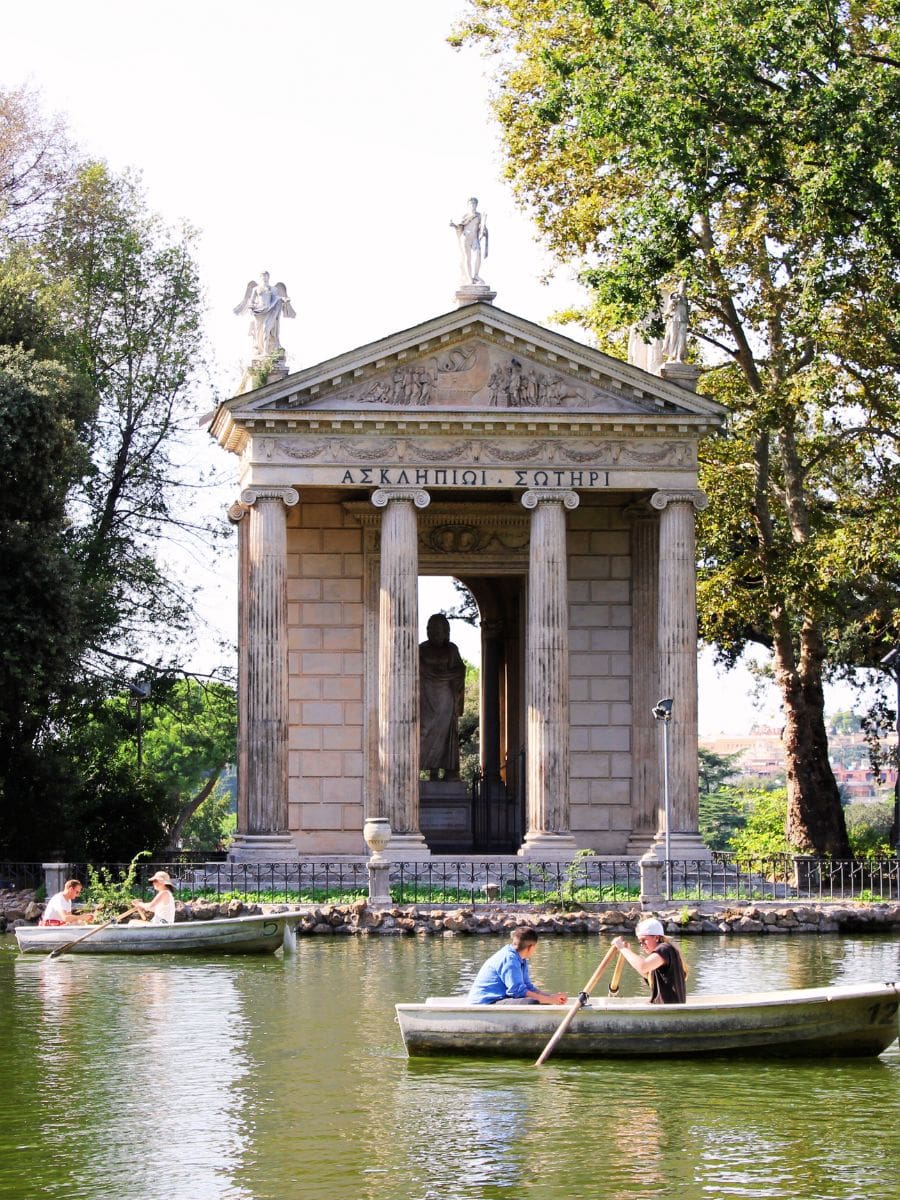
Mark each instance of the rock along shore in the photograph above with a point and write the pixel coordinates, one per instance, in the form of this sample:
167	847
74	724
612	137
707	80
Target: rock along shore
358	919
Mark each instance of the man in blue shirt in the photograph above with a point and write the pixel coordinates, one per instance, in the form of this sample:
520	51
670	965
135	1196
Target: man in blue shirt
504	978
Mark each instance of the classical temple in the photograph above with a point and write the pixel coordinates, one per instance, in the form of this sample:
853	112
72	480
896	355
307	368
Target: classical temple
560	486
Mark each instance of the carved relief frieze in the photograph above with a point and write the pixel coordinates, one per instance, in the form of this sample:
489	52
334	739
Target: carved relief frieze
483	452
475	374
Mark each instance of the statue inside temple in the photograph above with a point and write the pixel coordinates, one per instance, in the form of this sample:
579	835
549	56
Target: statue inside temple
442	681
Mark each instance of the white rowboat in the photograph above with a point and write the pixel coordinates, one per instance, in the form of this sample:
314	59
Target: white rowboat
226	935
846	1020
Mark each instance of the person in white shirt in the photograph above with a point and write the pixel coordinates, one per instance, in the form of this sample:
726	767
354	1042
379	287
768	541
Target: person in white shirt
162	906
58	909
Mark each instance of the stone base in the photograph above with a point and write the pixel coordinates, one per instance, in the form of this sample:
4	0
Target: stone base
682	846
639	844
445	816
406	847
548	847
472	293
685	375
263	848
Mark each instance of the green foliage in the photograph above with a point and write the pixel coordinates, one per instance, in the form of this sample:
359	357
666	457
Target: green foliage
748	150
722	816
716	769
108	896
212	825
100	348
765	833
869	828
469	726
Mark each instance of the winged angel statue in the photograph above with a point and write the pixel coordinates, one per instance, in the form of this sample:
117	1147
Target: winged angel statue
265	303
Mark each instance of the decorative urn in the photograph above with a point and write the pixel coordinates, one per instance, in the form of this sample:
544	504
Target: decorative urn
377	832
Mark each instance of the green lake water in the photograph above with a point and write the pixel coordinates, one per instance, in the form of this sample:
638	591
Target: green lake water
280	1078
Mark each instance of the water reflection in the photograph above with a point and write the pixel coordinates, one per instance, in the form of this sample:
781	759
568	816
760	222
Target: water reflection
272	1079
149	1056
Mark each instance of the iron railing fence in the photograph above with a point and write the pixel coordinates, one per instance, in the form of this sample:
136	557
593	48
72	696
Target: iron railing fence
783	877
311	882
586	882
14	875
583	882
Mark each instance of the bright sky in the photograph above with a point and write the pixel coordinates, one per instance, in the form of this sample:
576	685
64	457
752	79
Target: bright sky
329	144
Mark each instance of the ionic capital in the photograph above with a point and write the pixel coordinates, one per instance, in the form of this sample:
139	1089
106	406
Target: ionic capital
535	496
288	495
698	499
237	512
381	497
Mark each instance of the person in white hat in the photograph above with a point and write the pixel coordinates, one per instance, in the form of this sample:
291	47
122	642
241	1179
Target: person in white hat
162	906
661	963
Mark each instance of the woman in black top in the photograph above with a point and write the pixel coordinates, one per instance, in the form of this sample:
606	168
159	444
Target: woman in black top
661	964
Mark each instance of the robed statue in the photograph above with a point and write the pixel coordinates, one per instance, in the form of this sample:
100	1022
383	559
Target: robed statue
442	683
266	304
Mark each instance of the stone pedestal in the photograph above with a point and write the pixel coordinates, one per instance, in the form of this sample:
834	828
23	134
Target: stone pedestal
445	816
685	375
379	881
55	876
472	293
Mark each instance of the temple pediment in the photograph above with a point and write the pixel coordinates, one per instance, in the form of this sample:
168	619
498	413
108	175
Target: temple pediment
476	359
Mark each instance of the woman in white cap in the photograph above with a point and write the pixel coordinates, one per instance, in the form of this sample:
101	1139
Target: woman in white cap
661	963
162	906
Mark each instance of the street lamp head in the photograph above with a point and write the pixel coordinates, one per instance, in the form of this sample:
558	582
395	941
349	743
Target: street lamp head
891	658
663	710
140	690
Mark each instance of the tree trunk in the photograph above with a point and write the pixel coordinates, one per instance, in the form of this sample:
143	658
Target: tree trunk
815	823
189	809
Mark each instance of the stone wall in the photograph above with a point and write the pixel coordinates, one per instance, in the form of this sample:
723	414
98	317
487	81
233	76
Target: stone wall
325	650
428	919
600	657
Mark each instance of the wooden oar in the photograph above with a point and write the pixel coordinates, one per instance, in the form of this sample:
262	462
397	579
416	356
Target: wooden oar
579	1002
617	975
90	933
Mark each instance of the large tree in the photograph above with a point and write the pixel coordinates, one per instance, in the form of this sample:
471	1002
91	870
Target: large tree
747	150
100	355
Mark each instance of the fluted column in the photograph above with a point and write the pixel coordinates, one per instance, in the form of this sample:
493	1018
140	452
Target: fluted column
398	669
264	689
646	747
547	677
678	664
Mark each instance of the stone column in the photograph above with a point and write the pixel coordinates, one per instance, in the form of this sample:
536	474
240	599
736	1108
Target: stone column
398	670
678	666
645	737
547	678
264	724
236	514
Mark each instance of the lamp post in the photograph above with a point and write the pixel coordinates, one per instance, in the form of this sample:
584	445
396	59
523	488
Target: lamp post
140	692
663	712
891	663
